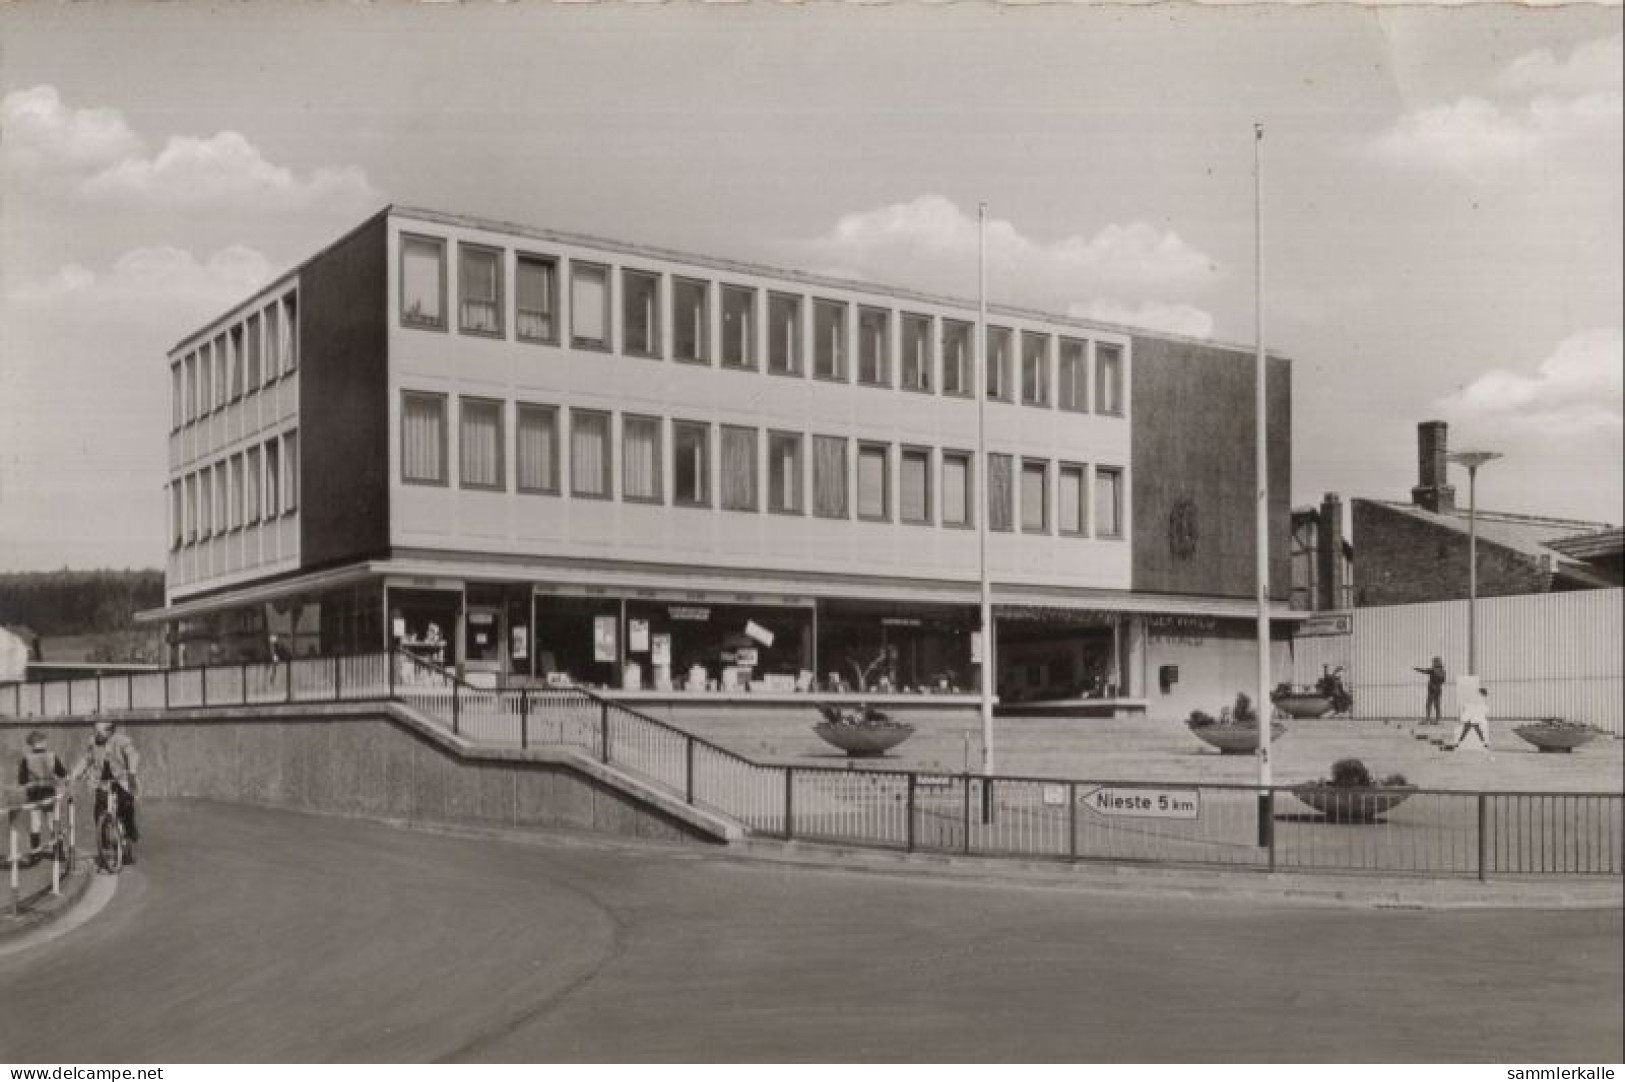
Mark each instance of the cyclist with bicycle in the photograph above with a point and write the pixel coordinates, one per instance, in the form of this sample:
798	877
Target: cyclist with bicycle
111	759
40	773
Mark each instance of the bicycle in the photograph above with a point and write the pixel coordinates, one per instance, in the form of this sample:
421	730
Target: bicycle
113	846
64	847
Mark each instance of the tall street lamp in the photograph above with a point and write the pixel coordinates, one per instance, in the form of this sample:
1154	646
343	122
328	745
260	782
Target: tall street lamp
1472	460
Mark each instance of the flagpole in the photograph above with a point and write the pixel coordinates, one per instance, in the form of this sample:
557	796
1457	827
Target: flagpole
989	669
1265	708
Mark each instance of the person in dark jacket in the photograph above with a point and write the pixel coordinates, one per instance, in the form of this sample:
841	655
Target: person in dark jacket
1434	708
40	773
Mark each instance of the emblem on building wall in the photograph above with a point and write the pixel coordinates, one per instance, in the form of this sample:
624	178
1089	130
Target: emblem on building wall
1182	532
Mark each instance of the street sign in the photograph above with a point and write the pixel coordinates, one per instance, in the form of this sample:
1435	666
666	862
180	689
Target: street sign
1143	803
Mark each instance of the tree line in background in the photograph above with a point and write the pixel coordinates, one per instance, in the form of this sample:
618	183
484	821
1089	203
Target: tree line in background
97	607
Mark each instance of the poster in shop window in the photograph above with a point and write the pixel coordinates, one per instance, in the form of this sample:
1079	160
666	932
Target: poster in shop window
603	638
637	636
660	650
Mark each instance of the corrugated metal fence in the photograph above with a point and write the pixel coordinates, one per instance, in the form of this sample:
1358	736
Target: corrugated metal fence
1541	655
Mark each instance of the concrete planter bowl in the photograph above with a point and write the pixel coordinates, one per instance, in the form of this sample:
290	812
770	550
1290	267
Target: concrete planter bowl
1342	804
864	741
1235	739
1304	706
1554	738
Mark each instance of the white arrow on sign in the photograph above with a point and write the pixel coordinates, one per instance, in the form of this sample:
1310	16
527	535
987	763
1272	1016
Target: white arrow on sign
1143	803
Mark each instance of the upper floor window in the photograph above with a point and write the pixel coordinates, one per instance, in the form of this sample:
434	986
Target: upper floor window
1108	378
874	484
784	472
481	446
738	327
1071	512
228	365
1000	494
640	459
479	290
238	497
829	477
829	339
256	373
1073	392
957	364
177	404
874	346
290	470
177	515
1034	368
640	313
273	478
205	388
957	497
914	483
784	333
590	454
691	320
536	298
999	384
916	344
738	480
536	449
273	342
1108	502
423	438
1034	496
189	392
691	463
253	497
423	282
191	508
290	313
589	306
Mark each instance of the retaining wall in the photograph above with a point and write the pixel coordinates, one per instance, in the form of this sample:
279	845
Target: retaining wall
373	762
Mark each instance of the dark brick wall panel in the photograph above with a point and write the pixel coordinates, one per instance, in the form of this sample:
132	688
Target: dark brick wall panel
1400	559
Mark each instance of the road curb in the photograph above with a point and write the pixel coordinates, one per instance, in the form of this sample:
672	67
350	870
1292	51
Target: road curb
45	907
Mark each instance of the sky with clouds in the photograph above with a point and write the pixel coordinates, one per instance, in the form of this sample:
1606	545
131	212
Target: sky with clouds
1442	197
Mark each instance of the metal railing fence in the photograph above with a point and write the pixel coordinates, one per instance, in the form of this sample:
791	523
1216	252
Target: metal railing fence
1403	831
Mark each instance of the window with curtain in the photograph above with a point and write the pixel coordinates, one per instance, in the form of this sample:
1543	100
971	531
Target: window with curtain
691	463
1108	502
1073	375
537	448
829	477
1034	368
1070	509
481	449
640	313
1034	497
829	339
423	282
273	342
956	488
738	481
916	344
235	517
874	346
273	478
253	497
1108	378
784	472
998	364
589	454
290	471
423	438
1000	495
691	320
256	374
479	288
738	327
640	458
874	499
784	333
957	363
914	483
589	305
536	298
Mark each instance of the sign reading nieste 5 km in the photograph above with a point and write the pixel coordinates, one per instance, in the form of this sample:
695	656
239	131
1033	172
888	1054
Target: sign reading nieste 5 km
1144	803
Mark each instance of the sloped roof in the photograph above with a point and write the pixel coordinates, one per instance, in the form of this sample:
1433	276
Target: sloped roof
1592	546
1535	536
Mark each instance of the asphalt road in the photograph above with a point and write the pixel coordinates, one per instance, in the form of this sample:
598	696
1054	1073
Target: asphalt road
253	935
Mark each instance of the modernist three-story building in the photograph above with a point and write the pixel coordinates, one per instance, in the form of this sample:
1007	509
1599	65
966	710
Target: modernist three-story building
540	457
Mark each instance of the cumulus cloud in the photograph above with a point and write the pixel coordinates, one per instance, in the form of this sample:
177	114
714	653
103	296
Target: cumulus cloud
1553	104
100	157
1576	389
154	284
931	238
1185	319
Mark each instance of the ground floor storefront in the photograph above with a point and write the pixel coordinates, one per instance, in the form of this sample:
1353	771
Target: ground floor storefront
664	640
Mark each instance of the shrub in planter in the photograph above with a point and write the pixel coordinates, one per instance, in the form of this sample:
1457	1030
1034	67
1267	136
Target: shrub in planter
1352	795
1555	734
1234	731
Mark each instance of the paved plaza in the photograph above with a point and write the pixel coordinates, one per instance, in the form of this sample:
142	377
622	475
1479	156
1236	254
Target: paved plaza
248	934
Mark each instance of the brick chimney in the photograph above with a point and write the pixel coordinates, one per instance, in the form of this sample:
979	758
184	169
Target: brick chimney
1433	491
1329	578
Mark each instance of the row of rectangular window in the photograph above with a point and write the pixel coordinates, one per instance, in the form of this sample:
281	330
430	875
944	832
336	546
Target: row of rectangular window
1036	495
254	485
928	360
241	359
